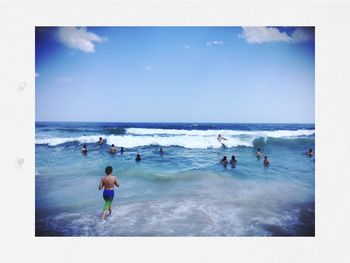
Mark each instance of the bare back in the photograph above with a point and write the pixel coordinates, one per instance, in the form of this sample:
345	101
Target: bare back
108	182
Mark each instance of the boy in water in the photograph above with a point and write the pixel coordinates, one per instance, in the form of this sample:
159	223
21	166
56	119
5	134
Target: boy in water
220	138
233	161
266	161
309	152
258	153
224	160
100	141
108	182
138	158
84	150
113	149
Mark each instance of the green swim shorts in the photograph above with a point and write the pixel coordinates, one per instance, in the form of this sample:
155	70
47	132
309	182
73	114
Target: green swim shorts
108	204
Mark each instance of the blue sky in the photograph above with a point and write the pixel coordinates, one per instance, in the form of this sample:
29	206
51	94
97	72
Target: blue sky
175	74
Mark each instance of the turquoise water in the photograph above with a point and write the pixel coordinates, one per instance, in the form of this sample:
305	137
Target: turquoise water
185	191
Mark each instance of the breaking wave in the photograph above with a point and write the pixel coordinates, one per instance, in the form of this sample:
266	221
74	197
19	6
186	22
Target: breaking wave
138	137
272	134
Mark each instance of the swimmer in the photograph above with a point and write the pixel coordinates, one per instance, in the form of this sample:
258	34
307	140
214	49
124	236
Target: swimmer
309	152
233	161
100	141
161	150
220	138
84	149
113	149
266	161
121	150
224	160
258	153
138	158
108	182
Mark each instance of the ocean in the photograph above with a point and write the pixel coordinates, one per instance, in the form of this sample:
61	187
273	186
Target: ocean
183	192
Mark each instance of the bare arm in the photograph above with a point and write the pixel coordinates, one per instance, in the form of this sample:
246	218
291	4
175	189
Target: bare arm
116	182
101	184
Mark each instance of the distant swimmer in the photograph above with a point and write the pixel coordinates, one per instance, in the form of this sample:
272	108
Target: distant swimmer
122	150
266	161
100	141
220	138
138	158
310	153
113	149
224	160
84	149
108	182
233	161
258	153
161	151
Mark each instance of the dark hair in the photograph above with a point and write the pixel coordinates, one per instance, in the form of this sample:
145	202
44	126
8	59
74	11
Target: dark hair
109	170
233	157
225	158
265	157
310	150
100	138
259	149
84	146
112	145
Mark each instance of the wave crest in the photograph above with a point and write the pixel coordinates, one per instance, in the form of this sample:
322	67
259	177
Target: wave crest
272	134
137	137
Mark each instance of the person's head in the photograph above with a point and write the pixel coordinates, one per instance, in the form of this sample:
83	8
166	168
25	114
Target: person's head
258	149
233	157
112	145
219	135
109	170
225	158
122	148
84	146
310	150
100	138
138	155
265	157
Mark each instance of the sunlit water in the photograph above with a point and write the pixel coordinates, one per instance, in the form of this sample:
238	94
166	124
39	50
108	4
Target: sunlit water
185	191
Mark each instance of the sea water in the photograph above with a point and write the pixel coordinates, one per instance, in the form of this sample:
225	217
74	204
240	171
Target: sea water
183	192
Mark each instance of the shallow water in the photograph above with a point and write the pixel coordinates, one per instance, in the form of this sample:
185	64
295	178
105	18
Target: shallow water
185	191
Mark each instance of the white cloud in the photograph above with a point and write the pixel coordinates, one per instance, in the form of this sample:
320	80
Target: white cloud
264	34
303	34
271	34
37	75
215	42
78	38
148	68
64	79
186	46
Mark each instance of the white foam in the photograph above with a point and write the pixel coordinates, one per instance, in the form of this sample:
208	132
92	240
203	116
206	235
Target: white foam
181	140
201	139
53	141
232	207
273	134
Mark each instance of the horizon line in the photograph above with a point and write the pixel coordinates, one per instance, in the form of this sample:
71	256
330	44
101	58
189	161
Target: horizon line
195	122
